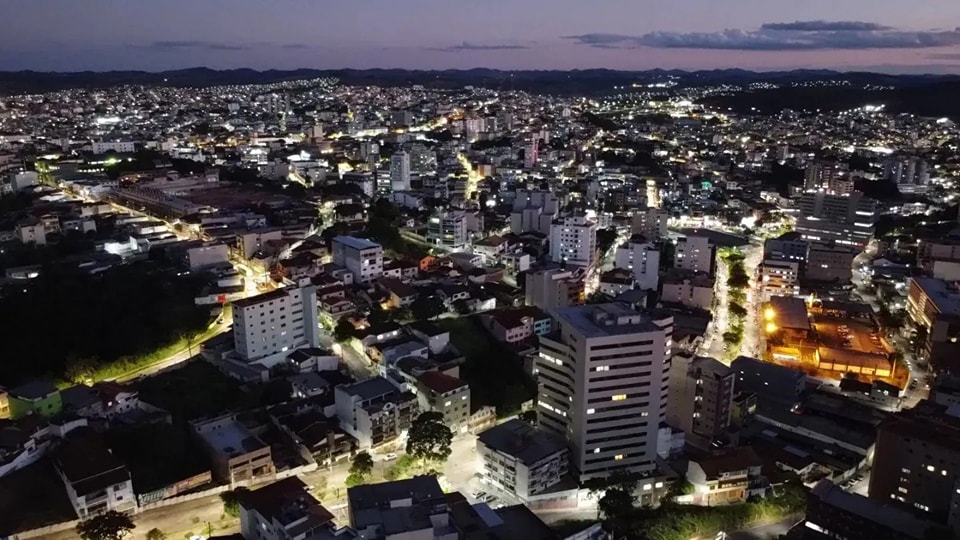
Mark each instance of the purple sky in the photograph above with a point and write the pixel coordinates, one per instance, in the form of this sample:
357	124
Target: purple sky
883	35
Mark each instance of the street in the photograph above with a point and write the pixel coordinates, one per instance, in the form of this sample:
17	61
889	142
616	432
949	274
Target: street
771	531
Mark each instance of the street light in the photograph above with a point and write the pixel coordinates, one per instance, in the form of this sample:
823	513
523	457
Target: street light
771	328
769	314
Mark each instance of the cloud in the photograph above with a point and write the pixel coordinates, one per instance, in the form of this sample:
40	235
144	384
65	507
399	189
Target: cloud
796	36
943	56
467	46
294	46
826	26
192	44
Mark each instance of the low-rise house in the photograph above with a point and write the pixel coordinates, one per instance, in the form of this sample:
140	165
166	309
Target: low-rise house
616	282
36	397
285	510
436	338
520	459
515	325
310	359
237	454
413	508
687	288
309	384
447	395
374	411
117	399
319	436
95	480
81	400
401	294
727	477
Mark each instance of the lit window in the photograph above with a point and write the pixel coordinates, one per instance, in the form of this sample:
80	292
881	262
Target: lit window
591	411
596	450
619	397
647	487
618	457
931	468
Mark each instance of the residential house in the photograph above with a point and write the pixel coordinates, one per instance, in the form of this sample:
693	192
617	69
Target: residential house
96	481
447	395
35	397
520	459
237	454
285	510
374	411
729	476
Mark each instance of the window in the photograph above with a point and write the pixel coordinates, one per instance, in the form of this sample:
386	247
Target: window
619	397
618	457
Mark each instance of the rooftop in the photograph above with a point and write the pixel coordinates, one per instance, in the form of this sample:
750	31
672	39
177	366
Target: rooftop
356	243
892	518
260	298
416	489
285	502
371	388
33	390
232	439
440	383
522	441
605	320
945	296
729	460
790	312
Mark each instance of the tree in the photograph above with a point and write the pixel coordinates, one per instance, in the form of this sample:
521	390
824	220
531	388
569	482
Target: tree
616	502
231	501
529	417
344	331
362	464
737	310
111	525
426	307
429	438
156	534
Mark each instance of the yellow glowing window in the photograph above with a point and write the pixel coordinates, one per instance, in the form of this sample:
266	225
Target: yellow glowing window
619	397
618	457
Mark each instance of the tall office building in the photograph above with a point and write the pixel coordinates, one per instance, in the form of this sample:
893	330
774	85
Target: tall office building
573	240
847	220
826	176
602	384
268	326
400	172
642	259
701	398
694	253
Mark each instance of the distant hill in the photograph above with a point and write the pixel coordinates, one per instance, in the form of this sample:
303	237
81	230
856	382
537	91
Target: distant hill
928	95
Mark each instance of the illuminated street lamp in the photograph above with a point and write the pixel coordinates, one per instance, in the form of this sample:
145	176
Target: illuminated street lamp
768	314
771	328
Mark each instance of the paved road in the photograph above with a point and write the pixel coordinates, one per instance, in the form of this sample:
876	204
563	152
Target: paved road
764	532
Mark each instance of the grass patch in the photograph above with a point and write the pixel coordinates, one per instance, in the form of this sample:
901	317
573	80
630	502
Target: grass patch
158	454
196	390
494	372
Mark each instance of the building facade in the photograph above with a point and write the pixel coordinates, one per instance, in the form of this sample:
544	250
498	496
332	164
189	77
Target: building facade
520	459
694	253
276	322
363	258
573	240
602	384
701	398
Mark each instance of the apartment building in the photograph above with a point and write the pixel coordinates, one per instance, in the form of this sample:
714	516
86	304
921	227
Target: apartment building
934	305
642	258
779	278
701	398
374	411
285	510
448	230
520	459
573	240
651	223
691	289
846	220
602	384
268	326
729	476
553	288
237	454
400	172
694	253
447	395
829	262
916	463
363	258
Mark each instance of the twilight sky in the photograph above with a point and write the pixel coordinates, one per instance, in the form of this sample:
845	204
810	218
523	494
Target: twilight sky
901	36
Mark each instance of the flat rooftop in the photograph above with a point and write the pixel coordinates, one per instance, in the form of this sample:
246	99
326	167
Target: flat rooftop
943	295
790	312
356	243
892	518
603	320
522	441
232	439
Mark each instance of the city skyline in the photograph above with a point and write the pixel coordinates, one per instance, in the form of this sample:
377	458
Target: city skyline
877	35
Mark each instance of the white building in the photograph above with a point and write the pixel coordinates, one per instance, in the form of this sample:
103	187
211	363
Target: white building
694	253
120	147
520	459
692	290
574	240
268	326
31	232
96	481
207	256
448	230
285	510
643	259
602	380
363	258
400	172
374	411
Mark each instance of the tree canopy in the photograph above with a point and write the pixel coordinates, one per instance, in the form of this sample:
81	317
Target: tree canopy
231	501
360	469
111	525
429	438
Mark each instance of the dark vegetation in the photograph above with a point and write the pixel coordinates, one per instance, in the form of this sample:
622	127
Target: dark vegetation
67	317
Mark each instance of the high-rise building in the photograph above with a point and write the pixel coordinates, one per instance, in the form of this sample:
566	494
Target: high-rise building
400	172
916	461
533	211
270	324
694	253
826	176
573	240
363	258
530	153
643	259
553	288
779	278
651	223
934	305
847	220
701	398
906	172
448	229
602	384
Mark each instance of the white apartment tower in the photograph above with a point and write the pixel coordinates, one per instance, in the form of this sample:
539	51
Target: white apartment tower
694	253
267	326
602	380
400	172
448	230
363	258
574	240
643	259
651	223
